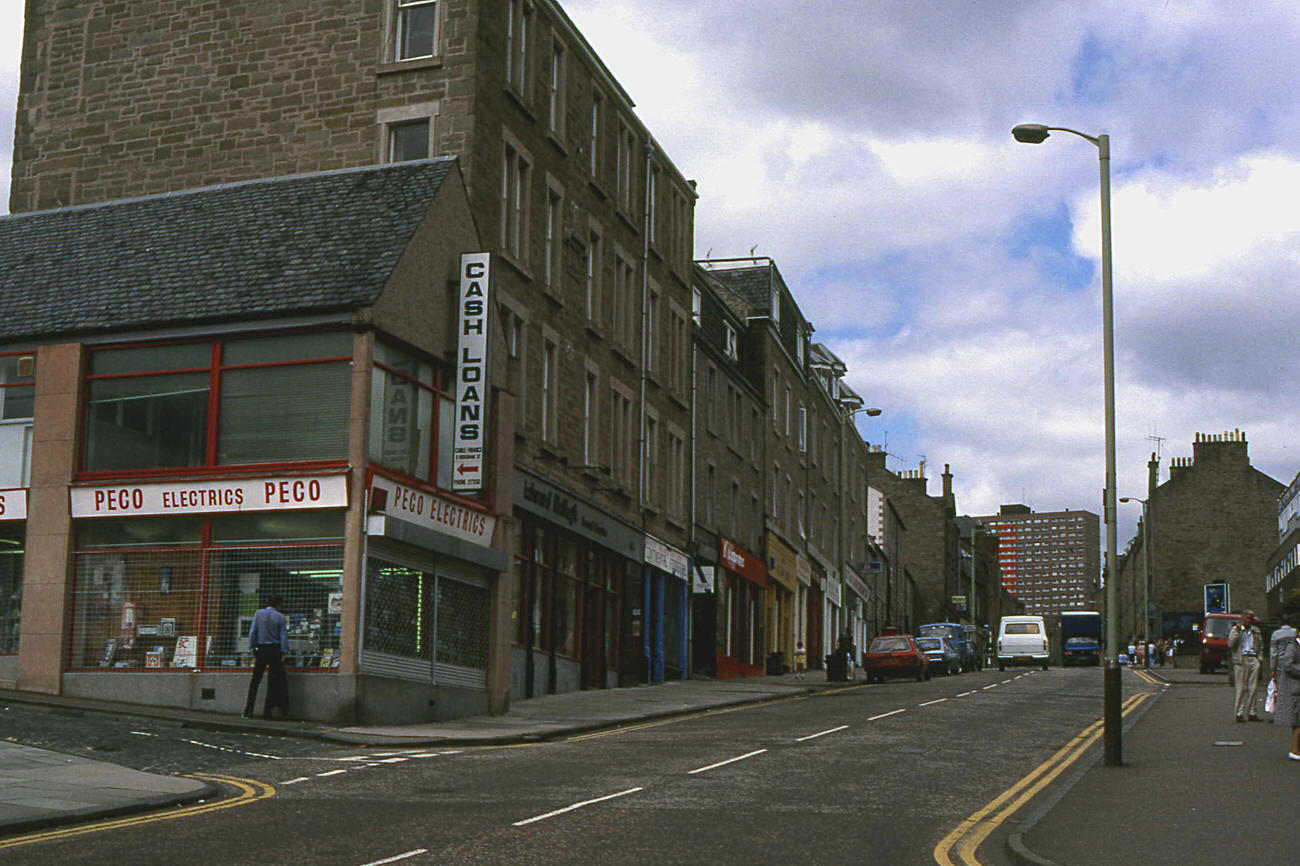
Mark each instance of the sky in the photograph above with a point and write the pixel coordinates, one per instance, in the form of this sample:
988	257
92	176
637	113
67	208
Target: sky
866	148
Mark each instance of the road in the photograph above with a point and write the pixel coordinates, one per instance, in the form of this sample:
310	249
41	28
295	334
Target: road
874	774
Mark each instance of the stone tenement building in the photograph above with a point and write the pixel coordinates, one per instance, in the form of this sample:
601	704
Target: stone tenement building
931	555
1213	521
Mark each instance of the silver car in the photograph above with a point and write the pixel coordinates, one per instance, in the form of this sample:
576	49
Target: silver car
943	654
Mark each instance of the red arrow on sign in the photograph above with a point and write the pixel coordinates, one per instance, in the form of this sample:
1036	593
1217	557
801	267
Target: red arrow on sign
465	467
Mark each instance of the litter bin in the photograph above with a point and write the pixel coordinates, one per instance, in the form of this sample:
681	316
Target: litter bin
837	669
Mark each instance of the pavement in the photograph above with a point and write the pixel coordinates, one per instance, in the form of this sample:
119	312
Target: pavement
1194	787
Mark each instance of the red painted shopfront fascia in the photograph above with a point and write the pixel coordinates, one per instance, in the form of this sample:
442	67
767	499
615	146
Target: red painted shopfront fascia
740	564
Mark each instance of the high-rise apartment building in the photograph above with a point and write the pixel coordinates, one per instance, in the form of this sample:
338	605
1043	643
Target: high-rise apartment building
1050	560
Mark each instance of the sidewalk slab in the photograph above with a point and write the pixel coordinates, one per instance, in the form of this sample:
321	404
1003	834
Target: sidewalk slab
39	789
1195	787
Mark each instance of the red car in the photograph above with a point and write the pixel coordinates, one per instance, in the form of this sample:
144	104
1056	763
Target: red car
895	655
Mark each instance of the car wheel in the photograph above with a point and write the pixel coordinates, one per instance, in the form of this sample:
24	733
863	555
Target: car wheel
1002	666
927	675
1044	667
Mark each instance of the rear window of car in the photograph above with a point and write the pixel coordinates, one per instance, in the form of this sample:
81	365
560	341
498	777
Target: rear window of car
889	645
1021	628
1080	641
937	630
929	643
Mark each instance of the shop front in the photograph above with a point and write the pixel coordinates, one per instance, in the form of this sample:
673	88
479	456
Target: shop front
581	594
166	576
856	599
832	627
427	600
667	587
13	523
782	591
741	589
811	609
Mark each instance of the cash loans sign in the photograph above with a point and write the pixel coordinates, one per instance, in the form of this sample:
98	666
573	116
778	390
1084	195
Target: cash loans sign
471	373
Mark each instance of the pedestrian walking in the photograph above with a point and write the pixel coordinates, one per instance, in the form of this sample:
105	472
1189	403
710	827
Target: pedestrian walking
1151	653
800	661
1286	711
268	637
1244	643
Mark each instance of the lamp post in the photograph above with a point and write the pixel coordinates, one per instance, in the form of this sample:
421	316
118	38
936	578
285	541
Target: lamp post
1037	133
1146	570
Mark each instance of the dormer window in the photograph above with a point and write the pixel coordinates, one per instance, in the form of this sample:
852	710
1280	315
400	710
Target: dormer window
733	347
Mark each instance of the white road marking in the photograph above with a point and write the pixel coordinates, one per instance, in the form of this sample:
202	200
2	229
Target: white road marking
991	686
574	806
883	715
964	694
392	760
397	857
143	734
724	763
931	703
232	751
820	734
295	781
331	773
1007	681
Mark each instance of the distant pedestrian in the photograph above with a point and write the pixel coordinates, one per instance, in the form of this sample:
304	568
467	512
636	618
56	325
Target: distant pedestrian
1287	709
1151	653
1132	652
800	661
1244	643
1169	652
269	639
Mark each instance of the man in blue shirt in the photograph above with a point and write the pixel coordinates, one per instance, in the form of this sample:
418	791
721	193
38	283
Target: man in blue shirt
269	640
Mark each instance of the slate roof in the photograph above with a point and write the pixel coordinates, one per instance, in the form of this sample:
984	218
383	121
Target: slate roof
291	245
751	284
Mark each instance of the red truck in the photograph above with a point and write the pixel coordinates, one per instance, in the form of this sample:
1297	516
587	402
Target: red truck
1214	640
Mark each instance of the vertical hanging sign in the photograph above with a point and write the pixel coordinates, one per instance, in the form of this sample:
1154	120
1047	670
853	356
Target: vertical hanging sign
472	373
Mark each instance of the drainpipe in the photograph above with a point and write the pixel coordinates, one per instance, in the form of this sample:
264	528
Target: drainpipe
645	316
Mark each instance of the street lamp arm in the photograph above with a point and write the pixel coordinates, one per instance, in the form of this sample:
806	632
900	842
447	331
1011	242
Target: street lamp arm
1036	133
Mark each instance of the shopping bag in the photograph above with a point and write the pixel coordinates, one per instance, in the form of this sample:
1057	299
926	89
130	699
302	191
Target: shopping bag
1270	697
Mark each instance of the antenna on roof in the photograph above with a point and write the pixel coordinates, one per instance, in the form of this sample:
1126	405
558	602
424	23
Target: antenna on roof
751	250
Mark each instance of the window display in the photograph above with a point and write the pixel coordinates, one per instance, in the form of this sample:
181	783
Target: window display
11	585
181	592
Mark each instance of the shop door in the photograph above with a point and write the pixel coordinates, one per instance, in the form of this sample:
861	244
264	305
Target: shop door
593	638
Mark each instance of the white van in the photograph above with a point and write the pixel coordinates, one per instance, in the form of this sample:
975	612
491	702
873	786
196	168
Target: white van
1022	640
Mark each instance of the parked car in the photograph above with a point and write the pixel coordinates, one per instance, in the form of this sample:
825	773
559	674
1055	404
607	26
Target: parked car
957	634
1022	640
895	655
942	653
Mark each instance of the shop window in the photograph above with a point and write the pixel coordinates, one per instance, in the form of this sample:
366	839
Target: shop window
411	418
166	593
418	614
280	399
11	585
17	403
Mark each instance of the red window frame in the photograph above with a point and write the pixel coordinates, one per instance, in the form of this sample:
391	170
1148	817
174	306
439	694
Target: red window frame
214	369
439	394
21	383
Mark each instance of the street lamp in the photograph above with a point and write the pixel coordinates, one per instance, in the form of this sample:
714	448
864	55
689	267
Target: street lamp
1146	569
1037	133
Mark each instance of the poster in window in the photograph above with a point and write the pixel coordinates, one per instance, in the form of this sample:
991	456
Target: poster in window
110	650
187	651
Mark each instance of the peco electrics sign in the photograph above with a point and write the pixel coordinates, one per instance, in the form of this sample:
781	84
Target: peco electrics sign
472	379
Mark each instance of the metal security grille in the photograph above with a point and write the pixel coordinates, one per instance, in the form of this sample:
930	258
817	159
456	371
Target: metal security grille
423	626
183	607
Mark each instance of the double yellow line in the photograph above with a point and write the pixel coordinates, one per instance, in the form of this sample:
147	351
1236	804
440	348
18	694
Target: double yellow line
250	791
964	841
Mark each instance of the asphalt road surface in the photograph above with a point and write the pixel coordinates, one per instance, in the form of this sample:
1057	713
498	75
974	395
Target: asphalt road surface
865	774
